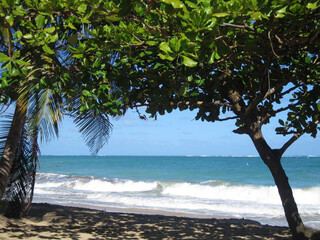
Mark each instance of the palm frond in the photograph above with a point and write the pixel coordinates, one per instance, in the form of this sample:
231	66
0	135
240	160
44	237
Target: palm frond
5	124
95	129
4	107
19	191
45	114
6	37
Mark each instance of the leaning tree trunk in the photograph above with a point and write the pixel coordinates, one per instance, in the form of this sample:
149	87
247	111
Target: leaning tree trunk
298	229
10	149
272	158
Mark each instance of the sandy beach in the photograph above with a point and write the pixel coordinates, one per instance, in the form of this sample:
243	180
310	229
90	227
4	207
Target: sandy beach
46	221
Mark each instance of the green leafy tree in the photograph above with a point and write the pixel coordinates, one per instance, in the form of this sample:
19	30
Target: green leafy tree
50	69
229	60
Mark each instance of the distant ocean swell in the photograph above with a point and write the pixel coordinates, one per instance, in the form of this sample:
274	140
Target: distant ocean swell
208	198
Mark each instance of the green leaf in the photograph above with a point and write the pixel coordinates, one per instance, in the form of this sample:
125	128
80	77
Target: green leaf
256	16
182	91
10	19
50	29
22	62
14	72
174	3
174	44
162	56
4	58
318	105
211	60
184	44
4	83
54	38
19	34
195	17
85	20
313	6
47	49
40	20
189	62
281	122
164	46
151	43
19	11
222	14
16	54
191	4
28	36
70	25
213	56
43	82
308	59
82	8
167	56
281	12
86	93
80	55
297	7
82	108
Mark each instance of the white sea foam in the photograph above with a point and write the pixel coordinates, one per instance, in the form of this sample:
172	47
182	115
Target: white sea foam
224	192
210	197
123	186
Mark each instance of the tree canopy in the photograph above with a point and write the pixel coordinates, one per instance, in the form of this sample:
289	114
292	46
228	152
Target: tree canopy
232	59
219	56
235	59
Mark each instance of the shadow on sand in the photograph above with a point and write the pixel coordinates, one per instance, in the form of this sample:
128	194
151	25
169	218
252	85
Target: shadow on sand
56	222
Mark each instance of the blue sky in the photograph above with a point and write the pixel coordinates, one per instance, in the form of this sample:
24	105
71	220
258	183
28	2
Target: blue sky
176	133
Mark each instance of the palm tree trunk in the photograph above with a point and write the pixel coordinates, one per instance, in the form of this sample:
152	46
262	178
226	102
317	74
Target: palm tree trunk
10	149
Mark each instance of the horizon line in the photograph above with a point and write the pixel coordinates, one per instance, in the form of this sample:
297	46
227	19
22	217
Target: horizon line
161	155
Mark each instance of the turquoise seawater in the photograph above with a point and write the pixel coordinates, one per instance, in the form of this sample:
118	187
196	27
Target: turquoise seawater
202	185
303	172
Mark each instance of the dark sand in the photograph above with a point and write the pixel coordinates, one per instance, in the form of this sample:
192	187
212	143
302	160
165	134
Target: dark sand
47	221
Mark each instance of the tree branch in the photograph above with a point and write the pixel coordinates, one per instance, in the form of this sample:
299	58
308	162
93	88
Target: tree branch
295	137
291	89
137	38
33	71
285	108
258	99
271	44
182	103
226	119
146	24
268	115
245	26
261	97
290	142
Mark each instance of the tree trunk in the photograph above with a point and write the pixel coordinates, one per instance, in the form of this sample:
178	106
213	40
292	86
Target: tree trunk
10	149
298	229
272	158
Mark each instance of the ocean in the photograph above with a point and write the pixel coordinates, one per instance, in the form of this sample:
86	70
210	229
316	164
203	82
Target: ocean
199	186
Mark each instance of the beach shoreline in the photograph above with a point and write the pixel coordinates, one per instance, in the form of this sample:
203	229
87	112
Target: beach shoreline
48	221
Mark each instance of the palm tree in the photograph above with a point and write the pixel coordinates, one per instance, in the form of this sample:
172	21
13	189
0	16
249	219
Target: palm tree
39	114
19	150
